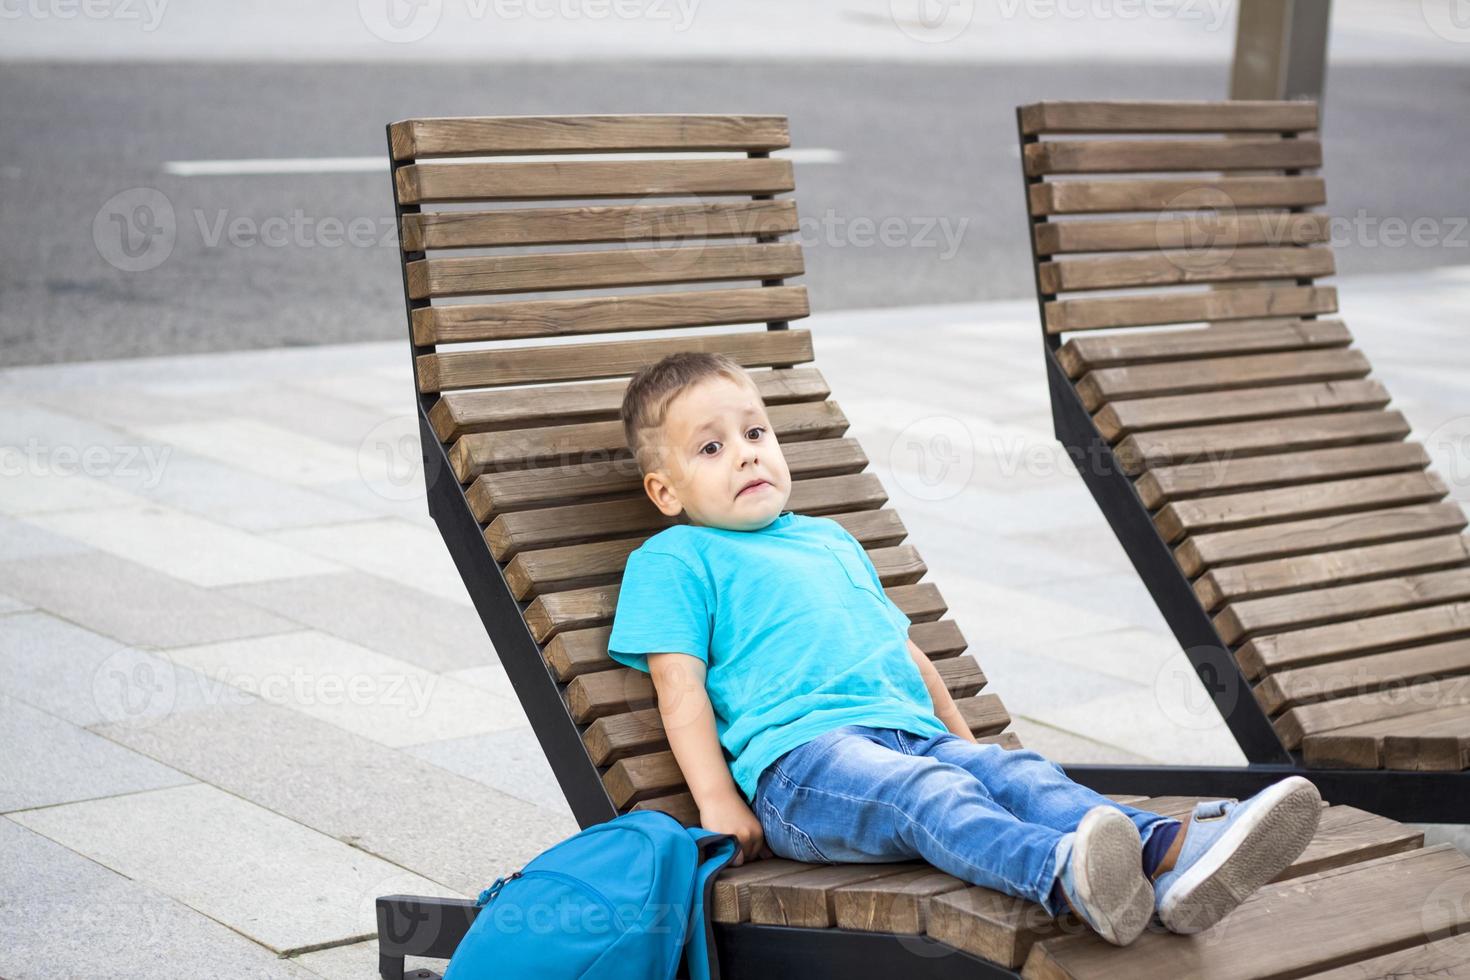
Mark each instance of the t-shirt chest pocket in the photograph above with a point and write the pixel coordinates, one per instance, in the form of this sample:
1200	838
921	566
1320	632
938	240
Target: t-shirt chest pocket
855	570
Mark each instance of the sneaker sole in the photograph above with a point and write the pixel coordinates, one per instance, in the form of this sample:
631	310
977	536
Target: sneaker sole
1110	878
1258	847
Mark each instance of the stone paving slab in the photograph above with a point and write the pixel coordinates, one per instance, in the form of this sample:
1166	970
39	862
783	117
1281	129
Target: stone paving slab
419	816
357	961
24	540
257	447
510	761
150	535
48	760
76	919
131	603
434	633
378	697
281	884
89	679
390	548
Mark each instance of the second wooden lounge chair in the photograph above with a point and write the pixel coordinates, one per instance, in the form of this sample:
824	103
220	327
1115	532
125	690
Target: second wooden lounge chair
1304	554
540	504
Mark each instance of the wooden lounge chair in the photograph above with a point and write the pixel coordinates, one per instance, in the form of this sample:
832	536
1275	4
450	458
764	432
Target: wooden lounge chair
1304	553
540	504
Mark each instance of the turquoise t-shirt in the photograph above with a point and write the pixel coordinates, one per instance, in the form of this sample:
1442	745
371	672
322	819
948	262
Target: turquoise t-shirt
792	623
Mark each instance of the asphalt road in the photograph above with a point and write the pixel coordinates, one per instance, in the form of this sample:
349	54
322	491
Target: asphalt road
924	206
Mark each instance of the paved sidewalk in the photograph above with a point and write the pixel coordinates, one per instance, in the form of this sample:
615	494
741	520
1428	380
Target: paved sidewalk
243	692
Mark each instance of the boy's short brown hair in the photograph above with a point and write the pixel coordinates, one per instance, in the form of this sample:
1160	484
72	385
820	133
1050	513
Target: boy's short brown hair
646	402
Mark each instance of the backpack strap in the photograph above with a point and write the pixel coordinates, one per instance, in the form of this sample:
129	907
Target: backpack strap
716	851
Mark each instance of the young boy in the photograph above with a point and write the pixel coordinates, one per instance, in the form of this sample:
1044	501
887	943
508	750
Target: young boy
809	726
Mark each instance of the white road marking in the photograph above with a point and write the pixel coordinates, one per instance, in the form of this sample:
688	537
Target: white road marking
352	165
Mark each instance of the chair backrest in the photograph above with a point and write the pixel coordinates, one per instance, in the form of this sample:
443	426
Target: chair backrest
561	231
1176	269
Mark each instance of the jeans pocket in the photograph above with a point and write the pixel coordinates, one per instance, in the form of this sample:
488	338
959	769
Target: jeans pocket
786	839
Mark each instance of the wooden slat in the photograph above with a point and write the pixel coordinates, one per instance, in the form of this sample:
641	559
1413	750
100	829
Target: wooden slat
1234	510
1163	194
1243	230
732	885
1289	929
1236	303
623	700
495	493
1171	116
427	183
1361	675
895	904
1349	732
460	412
1157	156
607	223
842	498
1447	957
1274	614
1082	354
486	452
554	612
640	776
984	714
1346	836
1281	575
486	135
543	271
807	899
1214	373
1117	419
578	362
1164	483
1227	442
541	318
1439	743
622	736
533	573
939	640
1317	534
1339	640
992	925
1184	268
577	652
680	806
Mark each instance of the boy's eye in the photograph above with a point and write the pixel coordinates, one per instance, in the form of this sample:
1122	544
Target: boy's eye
758	428
706	446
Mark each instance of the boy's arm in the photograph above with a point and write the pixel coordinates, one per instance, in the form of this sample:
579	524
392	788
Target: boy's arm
944	706
689	723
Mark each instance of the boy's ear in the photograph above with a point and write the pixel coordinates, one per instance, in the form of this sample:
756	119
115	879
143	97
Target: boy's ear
662	494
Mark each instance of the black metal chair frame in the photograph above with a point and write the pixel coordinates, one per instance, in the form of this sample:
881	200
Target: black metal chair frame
1425	797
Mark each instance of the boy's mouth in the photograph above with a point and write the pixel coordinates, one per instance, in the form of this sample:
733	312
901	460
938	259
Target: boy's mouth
752	486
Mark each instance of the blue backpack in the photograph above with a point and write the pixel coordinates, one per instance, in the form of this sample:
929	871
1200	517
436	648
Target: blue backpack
621	899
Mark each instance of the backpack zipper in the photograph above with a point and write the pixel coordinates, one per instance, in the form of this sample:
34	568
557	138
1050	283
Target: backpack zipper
488	895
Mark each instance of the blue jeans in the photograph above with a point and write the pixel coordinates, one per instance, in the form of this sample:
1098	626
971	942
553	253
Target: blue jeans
1002	818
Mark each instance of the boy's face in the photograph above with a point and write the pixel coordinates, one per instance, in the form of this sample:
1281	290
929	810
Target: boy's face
717	440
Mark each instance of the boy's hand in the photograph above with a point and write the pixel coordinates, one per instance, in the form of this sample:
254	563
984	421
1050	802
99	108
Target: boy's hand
731	815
